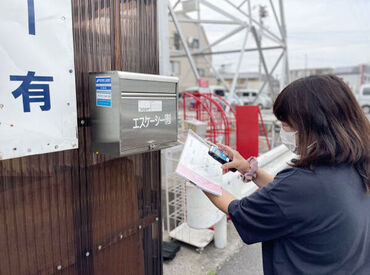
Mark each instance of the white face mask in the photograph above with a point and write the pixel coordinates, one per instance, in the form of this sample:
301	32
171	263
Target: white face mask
288	139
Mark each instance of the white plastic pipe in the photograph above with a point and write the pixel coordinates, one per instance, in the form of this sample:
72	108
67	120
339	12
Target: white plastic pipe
201	213
271	155
220	237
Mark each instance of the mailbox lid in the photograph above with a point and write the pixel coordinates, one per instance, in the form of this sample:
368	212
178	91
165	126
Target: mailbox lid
148	120
147	83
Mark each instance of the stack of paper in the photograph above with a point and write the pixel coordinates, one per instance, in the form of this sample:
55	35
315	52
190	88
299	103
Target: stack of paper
198	167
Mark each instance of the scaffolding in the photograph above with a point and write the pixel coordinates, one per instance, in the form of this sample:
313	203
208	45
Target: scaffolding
243	18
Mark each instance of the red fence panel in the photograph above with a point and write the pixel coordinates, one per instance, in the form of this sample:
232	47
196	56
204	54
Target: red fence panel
247	130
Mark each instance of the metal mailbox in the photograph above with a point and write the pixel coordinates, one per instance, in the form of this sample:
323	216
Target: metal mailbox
132	113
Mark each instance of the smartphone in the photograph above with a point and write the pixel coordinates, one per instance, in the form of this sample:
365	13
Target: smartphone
220	156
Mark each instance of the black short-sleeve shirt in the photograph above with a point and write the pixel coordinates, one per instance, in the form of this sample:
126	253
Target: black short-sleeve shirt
309	222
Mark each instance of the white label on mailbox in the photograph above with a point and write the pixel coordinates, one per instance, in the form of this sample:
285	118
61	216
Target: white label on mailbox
149	106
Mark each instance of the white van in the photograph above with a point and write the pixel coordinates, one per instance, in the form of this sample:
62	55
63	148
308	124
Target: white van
214	89
248	97
364	98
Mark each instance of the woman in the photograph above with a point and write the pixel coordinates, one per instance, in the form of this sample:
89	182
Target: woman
313	218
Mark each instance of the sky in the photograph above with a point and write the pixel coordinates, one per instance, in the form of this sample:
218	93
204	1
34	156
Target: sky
321	33
330	32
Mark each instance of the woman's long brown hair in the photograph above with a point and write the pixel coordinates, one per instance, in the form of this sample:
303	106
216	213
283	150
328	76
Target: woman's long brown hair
332	128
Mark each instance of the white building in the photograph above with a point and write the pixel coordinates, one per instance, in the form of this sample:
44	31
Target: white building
196	39
250	81
354	76
299	73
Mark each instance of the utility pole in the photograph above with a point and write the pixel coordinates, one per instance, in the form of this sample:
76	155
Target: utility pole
305	65
286	76
262	12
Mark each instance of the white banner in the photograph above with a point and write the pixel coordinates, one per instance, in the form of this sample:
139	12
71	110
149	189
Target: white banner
37	84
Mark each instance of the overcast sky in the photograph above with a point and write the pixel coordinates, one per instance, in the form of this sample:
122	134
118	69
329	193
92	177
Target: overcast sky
330	33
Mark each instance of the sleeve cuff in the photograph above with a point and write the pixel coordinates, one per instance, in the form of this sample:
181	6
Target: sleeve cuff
233	211
231	207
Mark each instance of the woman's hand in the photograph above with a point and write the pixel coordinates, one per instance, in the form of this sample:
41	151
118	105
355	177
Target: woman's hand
238	162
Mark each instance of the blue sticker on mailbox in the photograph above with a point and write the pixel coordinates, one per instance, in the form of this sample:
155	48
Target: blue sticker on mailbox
103	86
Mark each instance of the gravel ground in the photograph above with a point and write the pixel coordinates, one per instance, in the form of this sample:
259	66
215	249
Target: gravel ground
189	262
248	261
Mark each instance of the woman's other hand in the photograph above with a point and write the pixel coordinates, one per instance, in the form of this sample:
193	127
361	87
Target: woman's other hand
238	162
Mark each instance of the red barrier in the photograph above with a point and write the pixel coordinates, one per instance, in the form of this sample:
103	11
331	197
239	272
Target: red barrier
193	105
247	130
238	127
211	109
230	117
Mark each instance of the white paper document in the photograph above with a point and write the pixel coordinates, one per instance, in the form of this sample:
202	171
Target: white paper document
198	167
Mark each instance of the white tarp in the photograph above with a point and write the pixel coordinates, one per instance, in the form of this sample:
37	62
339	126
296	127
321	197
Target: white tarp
37	84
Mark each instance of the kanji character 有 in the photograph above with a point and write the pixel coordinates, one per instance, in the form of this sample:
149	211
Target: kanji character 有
33	92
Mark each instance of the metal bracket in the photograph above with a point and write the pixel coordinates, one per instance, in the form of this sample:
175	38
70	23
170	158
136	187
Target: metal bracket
83	122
